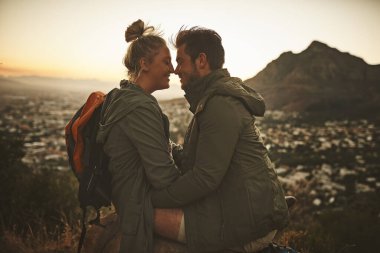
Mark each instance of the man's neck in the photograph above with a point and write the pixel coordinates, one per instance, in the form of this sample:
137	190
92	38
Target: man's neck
204	72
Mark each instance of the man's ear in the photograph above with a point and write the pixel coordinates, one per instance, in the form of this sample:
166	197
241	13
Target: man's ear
202	64
202	61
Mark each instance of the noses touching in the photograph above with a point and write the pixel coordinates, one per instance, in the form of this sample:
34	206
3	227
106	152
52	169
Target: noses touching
171	69
177	71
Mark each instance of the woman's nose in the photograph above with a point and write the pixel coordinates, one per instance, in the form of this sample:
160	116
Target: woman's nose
171	68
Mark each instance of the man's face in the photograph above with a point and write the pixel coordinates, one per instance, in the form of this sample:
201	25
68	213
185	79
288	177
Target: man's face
186	69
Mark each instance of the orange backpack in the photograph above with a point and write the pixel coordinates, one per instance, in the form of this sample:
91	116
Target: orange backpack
87	158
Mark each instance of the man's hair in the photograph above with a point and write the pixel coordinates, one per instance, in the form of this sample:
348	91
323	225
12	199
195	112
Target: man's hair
201	40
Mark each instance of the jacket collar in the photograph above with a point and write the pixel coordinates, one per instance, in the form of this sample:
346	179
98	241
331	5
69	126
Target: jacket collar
126	84
195	90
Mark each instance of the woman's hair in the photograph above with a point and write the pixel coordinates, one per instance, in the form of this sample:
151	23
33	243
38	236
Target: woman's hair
145	44
201	40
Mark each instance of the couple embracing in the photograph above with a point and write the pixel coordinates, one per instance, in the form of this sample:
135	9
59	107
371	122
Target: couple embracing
220	190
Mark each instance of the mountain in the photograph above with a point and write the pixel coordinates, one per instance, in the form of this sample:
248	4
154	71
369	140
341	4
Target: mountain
320	79
9	84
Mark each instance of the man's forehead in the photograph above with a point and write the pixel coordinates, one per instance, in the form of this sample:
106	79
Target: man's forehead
182	48
181	52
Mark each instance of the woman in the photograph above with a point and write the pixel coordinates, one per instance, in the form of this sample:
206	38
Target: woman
135	135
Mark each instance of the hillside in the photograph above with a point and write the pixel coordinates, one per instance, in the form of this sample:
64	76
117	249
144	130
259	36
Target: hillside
41	83
320	79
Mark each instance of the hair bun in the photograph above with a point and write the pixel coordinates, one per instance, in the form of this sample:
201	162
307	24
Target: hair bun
134	31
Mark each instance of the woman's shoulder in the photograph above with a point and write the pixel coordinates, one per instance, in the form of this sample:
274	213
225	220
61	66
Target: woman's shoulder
131	98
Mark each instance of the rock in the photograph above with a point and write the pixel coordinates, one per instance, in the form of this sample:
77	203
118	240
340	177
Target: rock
371	179
317	202
344	172
363	188
282	171
327	169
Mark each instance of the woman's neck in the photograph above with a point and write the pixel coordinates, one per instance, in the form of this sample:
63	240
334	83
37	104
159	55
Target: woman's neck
145	84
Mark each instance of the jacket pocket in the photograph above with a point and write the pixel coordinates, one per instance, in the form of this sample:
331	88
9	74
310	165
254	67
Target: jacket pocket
131	218
260	201
280	209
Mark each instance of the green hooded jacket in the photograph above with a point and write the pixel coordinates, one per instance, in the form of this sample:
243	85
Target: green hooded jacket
135	136
229	191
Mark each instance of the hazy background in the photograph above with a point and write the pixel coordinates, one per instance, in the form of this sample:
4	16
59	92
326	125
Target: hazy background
85	39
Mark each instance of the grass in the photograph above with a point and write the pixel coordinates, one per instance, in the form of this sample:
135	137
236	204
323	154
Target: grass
29	242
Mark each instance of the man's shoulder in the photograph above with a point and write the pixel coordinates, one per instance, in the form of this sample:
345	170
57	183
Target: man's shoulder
221	92
228	81
218	104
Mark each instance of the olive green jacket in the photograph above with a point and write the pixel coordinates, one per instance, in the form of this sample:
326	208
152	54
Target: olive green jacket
229	191
135	134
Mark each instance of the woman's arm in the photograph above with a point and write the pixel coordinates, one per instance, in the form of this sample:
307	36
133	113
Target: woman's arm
144	126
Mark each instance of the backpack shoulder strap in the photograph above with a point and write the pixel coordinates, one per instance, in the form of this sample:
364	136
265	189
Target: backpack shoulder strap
107	101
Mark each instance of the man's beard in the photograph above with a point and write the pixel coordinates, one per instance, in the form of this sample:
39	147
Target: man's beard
193	76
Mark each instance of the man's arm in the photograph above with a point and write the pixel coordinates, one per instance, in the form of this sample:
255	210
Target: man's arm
219	127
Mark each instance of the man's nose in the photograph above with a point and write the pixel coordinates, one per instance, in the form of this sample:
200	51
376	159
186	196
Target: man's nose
171	68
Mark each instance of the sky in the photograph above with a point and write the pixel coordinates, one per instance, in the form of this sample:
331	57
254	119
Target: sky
84	39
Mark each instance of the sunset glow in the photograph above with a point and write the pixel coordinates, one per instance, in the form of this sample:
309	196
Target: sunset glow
85	39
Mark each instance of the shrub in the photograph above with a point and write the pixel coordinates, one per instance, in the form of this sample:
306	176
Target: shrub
40	203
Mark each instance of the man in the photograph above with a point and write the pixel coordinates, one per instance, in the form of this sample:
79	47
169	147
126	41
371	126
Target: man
229	193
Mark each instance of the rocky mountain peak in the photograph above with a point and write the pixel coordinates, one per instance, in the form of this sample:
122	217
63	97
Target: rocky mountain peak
318	46
320	78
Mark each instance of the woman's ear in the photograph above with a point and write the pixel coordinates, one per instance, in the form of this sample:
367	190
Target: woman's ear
144	65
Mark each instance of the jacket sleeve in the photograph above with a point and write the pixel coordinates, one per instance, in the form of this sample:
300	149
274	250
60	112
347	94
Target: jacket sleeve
145	128
219	127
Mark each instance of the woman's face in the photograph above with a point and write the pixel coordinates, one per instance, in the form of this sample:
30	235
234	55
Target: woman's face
160	69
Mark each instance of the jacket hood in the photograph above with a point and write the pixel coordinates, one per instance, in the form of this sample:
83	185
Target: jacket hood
252	100
219	82
118	104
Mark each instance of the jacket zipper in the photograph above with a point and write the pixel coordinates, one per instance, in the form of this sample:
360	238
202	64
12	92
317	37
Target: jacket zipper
222	212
